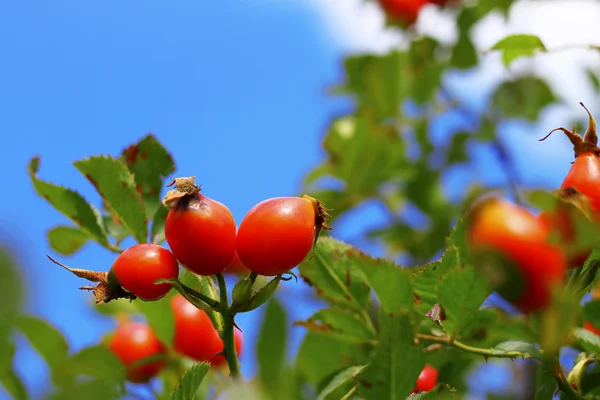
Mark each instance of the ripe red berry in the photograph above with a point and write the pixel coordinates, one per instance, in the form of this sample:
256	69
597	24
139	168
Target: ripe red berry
427	379
133	342
137	268
195	335
237	267
278	233
588	326
530	267
402	11
200	231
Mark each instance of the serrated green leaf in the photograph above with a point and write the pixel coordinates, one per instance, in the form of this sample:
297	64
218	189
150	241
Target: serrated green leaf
159	316
335	272
396	362
69	203
13	385
190	382
66	240
45	339
460	293
321	356
515	46
157	234
391	284
117	186
588	340
271	346
524	97
150	163
339	380
344	325
94	361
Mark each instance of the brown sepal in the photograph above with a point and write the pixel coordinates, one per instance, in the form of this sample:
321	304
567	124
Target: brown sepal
183	187
102	291
321	217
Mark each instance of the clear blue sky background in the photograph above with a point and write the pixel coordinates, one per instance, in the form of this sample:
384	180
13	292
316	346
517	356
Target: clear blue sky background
236	90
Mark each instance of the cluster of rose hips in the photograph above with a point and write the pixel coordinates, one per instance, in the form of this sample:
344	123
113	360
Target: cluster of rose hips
274	237
406	12
535	253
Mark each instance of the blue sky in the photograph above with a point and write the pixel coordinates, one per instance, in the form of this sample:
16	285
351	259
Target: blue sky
236	90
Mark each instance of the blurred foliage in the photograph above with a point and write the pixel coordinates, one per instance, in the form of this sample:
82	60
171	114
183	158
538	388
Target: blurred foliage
382	323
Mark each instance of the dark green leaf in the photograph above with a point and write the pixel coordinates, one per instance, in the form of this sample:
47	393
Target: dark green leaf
117	186
591	312
13	385
271	346
190	382
439	392
321	356
66	240
45	339
335	272
545	384
157	235
160	317
344	325
390	283
588	340
150	163
464	55
396	361
524	97
457	152
515	46
69	203
339	380
11	300
460	293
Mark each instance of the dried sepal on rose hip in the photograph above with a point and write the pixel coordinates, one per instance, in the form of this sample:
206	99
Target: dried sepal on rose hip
103	291
278	233
200	231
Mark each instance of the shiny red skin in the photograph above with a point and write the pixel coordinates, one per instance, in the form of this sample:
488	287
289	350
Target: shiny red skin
201	235
195	335
588	326
237	267
562	222
406	11
502	226
276	235
138	267
584	176
427	379
132	342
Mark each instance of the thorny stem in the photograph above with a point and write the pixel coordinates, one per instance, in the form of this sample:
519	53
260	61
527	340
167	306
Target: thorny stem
566	388
474	350
228	334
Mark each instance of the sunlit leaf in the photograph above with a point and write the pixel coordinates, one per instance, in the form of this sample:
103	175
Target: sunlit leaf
45	339
66	240
515	46
344	325
339	380
271	346
190	382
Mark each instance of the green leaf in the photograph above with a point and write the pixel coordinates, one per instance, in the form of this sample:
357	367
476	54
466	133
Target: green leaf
93	389
457	151
518	345
594	79
117	186
464	55
157	234
160	317
390	283
344	325
425	281
335	272
591	312
94	361
13	385
11	300
524	97
150	163
515	46
396	361
460	293
66	240
339	380
70	203
45	339
190	382
439	392
321	356
271	346
588	340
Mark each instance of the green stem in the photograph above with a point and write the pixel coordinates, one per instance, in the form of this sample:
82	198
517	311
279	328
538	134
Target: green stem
566	388
474	350
228	333
209	301
208	289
